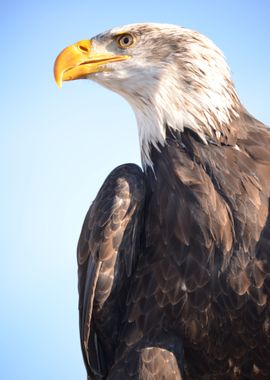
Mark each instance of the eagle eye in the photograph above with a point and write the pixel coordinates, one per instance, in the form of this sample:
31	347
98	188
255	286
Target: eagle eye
126	40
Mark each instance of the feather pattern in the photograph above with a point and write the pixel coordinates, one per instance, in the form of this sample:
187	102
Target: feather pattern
107	251
203	282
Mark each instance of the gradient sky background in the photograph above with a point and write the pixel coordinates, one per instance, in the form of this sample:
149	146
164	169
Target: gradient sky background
56	148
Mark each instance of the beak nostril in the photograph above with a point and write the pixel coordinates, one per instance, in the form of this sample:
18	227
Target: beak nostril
83	48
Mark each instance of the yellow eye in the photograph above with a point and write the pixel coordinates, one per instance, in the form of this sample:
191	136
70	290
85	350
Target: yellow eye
125	40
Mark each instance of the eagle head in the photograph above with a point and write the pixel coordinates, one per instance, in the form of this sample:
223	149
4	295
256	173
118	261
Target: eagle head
172	77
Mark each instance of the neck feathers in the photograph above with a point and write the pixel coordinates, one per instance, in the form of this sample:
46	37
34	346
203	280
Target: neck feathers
194	90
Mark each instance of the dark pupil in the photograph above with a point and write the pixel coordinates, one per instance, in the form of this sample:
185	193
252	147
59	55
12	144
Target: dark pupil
126	40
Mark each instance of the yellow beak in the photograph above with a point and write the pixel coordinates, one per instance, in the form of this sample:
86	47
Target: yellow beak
79	60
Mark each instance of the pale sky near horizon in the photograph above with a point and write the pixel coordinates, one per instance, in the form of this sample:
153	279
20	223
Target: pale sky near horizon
56	148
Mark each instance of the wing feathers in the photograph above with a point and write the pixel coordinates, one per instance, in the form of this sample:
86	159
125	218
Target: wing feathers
107	250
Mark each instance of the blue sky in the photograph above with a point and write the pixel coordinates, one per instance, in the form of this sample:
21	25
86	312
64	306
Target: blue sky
56	148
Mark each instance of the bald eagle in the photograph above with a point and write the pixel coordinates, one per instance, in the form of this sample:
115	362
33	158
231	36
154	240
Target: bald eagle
174	258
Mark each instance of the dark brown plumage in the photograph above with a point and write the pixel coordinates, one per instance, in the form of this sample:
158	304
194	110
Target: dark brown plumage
107	250
174	261
200	282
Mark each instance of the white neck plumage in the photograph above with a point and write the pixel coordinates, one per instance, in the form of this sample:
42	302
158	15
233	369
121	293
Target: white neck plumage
204	101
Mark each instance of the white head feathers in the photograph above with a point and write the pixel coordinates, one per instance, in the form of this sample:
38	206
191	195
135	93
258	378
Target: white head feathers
175	78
